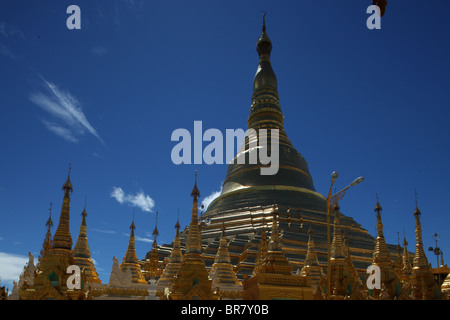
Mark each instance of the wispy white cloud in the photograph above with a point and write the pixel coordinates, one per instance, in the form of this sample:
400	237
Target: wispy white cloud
104	231
69	120
11	266
207	201
8	33
60	131
139	238
8	30
5	51
140	199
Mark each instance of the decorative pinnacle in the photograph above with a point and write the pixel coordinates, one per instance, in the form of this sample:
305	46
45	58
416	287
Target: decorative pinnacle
49	223
132	223
177	225
264	22
84	213
378	206
68	185
416	211
156	232
264	45
195	191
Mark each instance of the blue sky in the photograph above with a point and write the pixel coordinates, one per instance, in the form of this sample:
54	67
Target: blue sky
106	98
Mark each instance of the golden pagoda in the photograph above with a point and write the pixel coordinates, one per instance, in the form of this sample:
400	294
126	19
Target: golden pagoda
130	260
173	265
424	286
390	283
247	196
360	290
342	281
152	268
262	249
406	263
311	266
47	240
82	254
223	277
50	281
192	281
273	278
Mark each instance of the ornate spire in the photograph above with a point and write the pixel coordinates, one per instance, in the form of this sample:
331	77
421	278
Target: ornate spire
275	260
407	268
420	259
311	256
265	94
262	248
275	243
222	273
311	265
155	231
337	246
194	242
48	239
195	192
426	287
382	258
192	277
82	254
170	271
264	45
62	238
130	260
381	252
67	186
152	266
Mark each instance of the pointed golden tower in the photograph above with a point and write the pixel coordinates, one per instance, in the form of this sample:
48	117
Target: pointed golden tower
273	278
130	260
62	240
359	292
342	281
82	254
222	274
47	241
170	271
51	279
275	260
152	267
311	266
425	286
406	262
381	258
262	248
192	281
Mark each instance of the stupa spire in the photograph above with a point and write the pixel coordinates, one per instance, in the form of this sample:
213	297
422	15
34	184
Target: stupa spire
192	277
194	242
407	268
62	238
337	245
170	271
81	252
381	252
420	259
265	95
155	231
48	239
130	260
222	273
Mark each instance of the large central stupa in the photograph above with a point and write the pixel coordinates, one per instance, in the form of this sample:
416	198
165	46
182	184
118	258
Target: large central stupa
249	198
